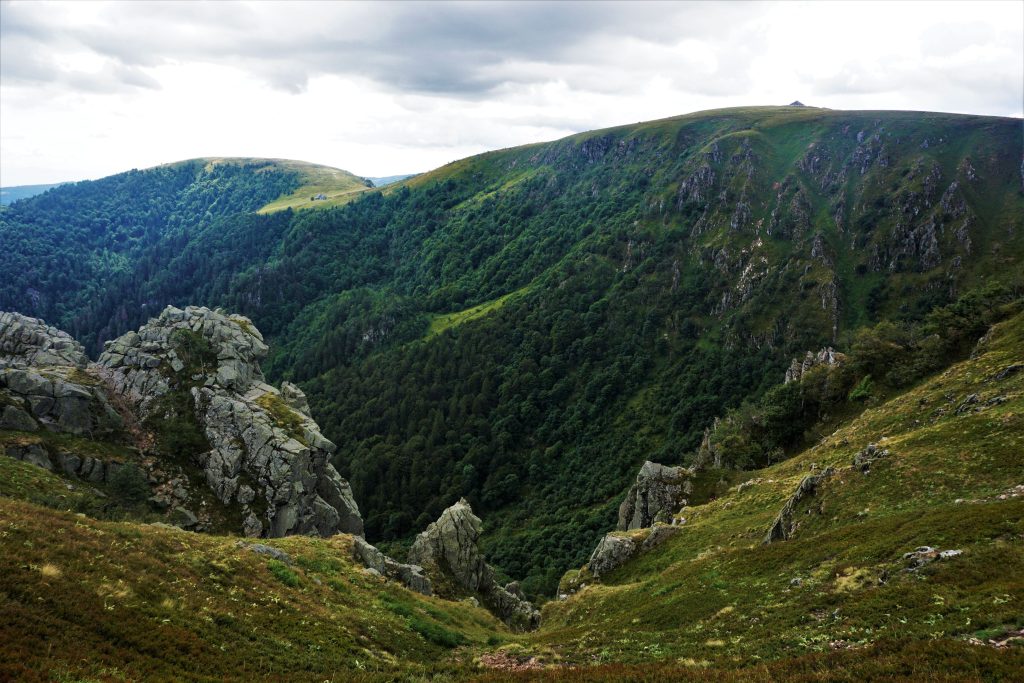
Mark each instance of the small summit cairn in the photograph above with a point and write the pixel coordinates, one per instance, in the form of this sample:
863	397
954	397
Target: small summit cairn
797	103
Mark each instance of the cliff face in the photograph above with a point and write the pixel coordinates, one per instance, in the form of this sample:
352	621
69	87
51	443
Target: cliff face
266	454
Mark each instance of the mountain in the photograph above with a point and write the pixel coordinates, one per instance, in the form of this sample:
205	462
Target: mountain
9	195
526	327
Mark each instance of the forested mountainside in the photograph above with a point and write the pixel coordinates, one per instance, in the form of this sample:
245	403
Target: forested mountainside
525	327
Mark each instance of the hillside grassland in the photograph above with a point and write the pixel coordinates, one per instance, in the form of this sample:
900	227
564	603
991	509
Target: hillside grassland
340	187
111	601
715	594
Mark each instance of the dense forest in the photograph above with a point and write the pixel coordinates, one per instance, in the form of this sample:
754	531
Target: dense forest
525	327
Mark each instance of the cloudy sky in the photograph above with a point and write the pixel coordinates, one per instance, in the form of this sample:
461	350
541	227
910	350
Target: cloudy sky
90	89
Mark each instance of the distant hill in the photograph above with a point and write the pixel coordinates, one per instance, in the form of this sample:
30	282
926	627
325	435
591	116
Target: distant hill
388	180
16	192
525	327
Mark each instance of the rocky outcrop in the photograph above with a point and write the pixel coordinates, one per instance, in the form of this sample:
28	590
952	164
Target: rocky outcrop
83	467
448	552
787	521
43	383
658	493
611	553
868	457
826	356
266	455
615	549
374	560
31	342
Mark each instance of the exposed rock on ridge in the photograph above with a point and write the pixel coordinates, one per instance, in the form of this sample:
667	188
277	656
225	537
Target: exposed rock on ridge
787	522
30	341
375	561
267	455
658	493
448	551
827	356
43	383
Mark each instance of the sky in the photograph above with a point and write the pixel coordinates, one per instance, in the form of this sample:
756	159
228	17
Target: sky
88	89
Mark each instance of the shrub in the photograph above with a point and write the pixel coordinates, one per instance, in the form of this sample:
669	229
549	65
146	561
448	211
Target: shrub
862	391
283	573
129	486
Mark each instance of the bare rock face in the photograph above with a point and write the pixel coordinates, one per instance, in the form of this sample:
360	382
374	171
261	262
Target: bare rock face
31	342
787	521
827	356
659	490
43	383
266	455
410	575
611	553
448	552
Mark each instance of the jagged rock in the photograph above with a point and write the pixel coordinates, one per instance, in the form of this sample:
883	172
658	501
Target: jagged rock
408	574
826	356
658	489
56	399
610	554
868	456
32	342
785	524
448	552
263	443
295	398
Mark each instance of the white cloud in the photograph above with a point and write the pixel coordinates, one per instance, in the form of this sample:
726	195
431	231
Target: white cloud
89	89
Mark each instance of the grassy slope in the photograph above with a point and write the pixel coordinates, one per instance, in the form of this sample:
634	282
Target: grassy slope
125	601
339	186
87	600
715	595
439	322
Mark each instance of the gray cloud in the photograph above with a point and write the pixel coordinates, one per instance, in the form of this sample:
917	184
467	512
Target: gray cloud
454	49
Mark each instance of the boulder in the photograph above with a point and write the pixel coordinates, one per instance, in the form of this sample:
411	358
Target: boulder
611	553
34	454
658	490
449	554
12	417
